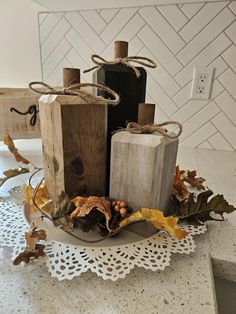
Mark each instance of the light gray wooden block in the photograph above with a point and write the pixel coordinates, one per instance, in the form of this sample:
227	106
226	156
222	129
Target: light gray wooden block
142	170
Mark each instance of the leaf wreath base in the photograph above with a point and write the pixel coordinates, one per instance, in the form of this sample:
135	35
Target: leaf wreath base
66	261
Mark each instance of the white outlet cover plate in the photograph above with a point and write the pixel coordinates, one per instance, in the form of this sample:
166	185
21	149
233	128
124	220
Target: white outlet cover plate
202	83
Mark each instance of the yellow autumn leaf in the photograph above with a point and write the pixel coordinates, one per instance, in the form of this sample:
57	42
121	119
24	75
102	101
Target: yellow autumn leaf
135	217
158	220
42	198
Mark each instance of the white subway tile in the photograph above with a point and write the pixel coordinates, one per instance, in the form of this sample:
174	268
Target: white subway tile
174	15
212	30
160	51
212	51
159	25
219	142
200	135
230	57
228	79
200	20
190	9
226	128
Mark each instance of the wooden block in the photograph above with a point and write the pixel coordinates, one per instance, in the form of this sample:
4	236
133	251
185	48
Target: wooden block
74	145
18	125
142	170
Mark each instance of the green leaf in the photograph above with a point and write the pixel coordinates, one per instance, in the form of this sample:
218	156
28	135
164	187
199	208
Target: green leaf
64	207
201	208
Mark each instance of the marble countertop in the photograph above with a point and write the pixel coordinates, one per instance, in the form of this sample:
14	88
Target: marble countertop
186	286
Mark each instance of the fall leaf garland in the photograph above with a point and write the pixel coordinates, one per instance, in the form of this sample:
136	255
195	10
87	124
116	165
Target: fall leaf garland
197	208
42	198
33	248
98	209
12	148
10	173
158	220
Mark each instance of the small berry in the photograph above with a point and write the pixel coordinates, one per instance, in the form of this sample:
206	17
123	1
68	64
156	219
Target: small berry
117	208
123	204
123	211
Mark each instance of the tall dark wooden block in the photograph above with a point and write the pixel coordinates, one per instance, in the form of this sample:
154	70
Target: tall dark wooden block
131	89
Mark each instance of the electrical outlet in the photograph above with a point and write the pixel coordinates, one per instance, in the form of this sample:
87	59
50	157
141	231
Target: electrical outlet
202	83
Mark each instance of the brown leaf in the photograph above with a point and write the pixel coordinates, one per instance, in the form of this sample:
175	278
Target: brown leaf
11	146
179	188
196	182
30	241
85	205
27	254
33	236
201	209
33	248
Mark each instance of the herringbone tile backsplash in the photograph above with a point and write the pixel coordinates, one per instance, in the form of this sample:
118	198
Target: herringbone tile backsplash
178	38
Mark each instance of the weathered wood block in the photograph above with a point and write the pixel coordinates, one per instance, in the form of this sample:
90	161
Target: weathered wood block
142	170
74	145
18	113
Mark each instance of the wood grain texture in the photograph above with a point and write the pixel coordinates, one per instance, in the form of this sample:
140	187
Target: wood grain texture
146	113
18	126
74	145
142	169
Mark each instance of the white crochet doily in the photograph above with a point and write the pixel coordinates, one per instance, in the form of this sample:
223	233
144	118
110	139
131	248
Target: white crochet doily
66	261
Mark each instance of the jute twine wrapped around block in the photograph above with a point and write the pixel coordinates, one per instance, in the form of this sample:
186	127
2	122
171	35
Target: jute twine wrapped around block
135	128
75	90
99	61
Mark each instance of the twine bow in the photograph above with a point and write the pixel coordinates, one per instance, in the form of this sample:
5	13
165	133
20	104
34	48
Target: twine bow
77	91
135	128
99	61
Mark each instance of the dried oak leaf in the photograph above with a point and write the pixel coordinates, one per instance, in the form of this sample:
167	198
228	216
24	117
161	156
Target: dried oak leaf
158	220
12	148
179	188
191	178
33	236
33	248
10	173
27	254
42	198
201	209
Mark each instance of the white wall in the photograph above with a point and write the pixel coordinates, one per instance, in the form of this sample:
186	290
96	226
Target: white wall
19	45
177	38
69	5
